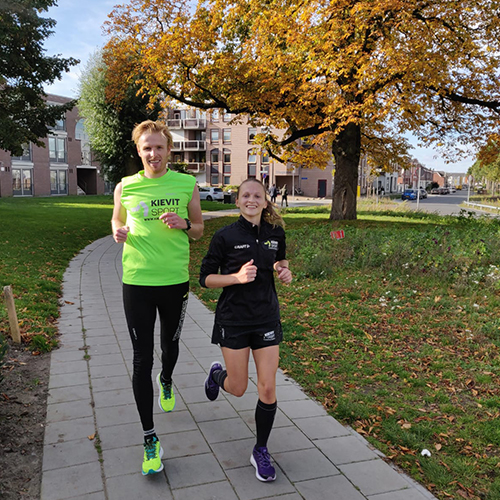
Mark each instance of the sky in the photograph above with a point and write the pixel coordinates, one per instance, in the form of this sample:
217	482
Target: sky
78	34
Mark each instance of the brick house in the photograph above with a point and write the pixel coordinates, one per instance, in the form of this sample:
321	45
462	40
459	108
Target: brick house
221	153
63	167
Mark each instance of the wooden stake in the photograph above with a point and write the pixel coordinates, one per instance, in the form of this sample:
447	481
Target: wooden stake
11	309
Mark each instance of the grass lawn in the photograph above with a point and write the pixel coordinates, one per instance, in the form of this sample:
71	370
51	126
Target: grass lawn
395	328
38	238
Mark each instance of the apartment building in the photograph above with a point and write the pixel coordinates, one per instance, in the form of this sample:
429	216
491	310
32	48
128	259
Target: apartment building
220	152
65	165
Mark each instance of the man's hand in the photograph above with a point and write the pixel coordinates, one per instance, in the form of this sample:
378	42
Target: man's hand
121	234
173	220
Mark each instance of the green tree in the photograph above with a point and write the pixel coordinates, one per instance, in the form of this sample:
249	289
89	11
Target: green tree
109	124
487	164
25	115
347	76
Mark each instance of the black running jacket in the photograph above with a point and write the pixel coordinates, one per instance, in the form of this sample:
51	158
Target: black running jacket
232	246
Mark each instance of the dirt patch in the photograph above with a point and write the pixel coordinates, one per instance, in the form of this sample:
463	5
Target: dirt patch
23	408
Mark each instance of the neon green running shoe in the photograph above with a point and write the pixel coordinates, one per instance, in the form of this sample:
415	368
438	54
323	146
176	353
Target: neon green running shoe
166	400
152	457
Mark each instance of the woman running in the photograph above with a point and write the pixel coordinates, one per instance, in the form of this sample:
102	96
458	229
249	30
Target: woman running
246	254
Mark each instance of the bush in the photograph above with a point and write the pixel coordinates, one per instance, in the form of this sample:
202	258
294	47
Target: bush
466	251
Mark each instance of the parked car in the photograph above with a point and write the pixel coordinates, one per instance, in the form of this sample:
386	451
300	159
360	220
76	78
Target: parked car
444	190
211	193
409	194
435	190
452	190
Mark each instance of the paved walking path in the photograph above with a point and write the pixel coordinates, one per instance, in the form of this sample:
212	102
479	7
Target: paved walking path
93	437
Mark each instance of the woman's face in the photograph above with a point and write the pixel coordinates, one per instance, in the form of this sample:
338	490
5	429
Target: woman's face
251	200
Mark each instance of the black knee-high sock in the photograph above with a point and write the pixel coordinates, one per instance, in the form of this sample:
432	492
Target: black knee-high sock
264	419
219	376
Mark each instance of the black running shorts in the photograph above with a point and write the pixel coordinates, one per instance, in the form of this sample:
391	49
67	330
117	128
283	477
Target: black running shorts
255	337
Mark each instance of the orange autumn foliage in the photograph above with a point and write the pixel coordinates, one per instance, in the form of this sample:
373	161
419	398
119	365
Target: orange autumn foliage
350	77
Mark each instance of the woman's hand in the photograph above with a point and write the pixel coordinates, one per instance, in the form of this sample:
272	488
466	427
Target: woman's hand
284	274
247	273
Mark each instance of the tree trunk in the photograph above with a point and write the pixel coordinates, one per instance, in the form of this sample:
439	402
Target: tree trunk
133	165
346	150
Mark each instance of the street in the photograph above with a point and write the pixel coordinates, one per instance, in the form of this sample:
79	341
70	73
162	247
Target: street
443	204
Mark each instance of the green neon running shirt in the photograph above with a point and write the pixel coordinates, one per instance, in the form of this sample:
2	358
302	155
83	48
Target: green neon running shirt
153	254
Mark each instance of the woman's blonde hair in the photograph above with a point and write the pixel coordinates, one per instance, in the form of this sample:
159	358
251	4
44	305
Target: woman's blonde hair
269	214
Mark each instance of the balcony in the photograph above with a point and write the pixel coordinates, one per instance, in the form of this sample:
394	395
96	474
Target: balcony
195	123
189	146
196	168
193	167
194	146
174	124
187	123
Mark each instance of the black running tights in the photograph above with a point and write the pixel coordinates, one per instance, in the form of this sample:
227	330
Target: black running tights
141	305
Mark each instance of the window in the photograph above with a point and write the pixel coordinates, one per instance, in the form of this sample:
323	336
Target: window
227	136
252	169
227	180
252	163
214	135
252	156
57	150
227	168
214	175
21	182
265	157
60	125
58	181
215	115
252	132
214	156
80	133
26	156
227	156
227	117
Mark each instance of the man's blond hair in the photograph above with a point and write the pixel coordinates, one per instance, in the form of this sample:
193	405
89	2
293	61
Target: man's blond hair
151	127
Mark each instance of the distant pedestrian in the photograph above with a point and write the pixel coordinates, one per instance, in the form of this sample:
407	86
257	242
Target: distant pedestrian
273	192
246	254
284	195
155	213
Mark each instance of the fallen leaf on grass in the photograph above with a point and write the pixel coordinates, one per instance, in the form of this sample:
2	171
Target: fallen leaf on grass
438	446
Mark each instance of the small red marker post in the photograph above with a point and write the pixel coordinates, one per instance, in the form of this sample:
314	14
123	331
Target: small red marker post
337	235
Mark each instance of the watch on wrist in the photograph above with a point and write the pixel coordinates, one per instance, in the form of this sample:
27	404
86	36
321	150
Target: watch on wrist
188	225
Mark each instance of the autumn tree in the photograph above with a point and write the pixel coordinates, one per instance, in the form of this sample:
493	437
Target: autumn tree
108	123
344	76
25	115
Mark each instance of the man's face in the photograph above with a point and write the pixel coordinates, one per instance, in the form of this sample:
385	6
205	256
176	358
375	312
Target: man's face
153	151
